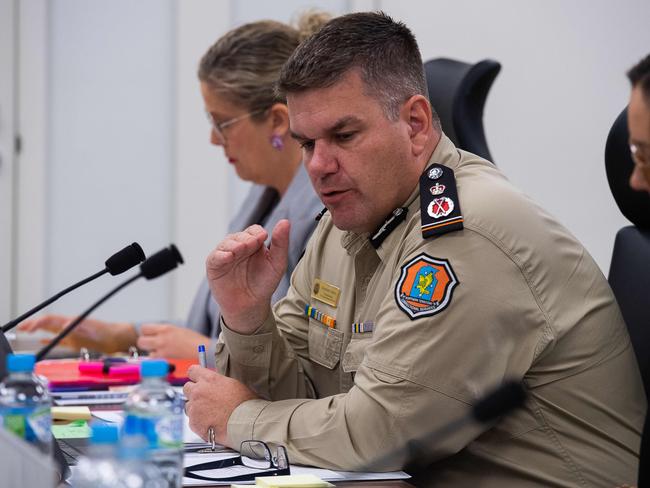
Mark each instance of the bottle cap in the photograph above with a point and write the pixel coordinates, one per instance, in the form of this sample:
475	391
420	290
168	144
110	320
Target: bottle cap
154	368
104	434
20	363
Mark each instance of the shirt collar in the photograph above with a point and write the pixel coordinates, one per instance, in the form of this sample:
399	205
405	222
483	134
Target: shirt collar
446	154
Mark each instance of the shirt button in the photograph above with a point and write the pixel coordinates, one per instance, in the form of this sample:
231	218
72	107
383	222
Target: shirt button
258	349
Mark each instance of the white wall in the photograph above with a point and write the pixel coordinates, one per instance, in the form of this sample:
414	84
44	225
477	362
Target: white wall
561	86
111	135
7	132
110	102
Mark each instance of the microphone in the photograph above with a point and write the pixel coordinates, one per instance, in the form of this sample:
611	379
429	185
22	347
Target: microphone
502	400
154	266
119	262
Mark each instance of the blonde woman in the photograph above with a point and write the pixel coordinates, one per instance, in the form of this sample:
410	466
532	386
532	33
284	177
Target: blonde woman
251	124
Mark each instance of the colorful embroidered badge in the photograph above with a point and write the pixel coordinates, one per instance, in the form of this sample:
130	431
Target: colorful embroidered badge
425	286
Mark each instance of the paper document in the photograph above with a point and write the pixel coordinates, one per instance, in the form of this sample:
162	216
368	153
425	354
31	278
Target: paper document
193	442
191	459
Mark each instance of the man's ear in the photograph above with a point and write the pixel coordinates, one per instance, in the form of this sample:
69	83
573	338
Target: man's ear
279	119
417	114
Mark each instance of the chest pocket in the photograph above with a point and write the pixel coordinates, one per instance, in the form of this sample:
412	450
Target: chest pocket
325	344
355	352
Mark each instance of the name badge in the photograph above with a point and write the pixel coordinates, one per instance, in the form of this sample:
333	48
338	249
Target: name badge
326	293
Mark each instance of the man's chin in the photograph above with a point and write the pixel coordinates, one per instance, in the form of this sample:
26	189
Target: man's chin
348	223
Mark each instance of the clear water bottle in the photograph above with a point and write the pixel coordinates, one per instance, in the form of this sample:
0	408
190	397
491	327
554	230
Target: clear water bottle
25	403
99	469
136	469
160	412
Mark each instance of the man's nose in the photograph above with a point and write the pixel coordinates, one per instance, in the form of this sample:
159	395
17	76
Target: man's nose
323	160
638	181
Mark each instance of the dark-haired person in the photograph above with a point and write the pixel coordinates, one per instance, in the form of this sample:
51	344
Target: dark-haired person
251	123
638	122
429	280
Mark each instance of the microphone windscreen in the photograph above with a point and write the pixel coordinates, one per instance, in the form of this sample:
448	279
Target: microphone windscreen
123	260
507	397
161	262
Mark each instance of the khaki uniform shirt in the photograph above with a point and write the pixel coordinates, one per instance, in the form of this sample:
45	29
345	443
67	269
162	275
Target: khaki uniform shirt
529	303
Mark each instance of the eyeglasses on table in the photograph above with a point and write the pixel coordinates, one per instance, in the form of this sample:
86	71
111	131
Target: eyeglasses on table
266	459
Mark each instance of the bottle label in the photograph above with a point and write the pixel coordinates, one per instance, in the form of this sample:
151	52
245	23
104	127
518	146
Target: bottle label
31	424
170	432
163	432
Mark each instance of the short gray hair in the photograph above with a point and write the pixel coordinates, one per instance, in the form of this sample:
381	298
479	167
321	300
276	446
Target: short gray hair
385	52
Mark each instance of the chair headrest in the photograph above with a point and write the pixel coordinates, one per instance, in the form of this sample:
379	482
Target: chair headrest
457	91
634	205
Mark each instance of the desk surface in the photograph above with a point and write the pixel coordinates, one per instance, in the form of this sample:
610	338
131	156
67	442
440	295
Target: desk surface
375	484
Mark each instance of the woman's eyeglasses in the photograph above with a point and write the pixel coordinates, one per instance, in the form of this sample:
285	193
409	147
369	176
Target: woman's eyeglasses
219	127
267	459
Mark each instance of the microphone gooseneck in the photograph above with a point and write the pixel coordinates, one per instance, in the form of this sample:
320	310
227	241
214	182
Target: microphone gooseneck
119	262
156	265
69	328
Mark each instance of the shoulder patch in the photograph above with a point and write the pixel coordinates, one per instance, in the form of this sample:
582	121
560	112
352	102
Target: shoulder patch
439	206
425	286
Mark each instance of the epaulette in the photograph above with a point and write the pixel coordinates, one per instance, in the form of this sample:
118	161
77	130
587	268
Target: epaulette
439	205
398	215
320	214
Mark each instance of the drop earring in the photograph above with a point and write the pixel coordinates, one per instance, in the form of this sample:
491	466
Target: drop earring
276	142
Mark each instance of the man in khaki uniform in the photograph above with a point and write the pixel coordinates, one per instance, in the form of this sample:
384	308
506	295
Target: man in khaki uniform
429	281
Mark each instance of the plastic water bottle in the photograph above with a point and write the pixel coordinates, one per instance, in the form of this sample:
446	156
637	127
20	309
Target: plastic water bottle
99	468
25	403
135	466
160	411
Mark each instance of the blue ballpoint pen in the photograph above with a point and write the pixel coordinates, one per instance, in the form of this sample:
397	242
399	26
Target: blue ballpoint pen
202	358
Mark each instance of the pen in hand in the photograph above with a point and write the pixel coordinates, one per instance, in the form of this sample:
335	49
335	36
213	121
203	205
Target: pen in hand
202	358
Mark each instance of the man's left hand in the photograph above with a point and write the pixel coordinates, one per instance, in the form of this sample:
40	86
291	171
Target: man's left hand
211	398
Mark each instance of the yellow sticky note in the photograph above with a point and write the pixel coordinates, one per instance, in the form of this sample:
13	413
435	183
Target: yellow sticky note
293	481
71	413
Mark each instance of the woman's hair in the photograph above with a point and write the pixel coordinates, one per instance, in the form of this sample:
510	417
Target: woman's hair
245	63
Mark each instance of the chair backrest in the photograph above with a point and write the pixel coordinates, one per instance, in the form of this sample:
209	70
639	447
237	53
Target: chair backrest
458	91
629	272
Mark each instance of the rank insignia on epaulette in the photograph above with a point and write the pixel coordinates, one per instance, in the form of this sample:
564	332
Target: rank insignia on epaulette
441	213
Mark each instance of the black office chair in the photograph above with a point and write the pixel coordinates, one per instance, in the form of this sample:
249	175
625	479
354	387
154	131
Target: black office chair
458	91
629	272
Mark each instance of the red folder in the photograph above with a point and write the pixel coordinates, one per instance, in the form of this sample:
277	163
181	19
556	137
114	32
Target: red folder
64	374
